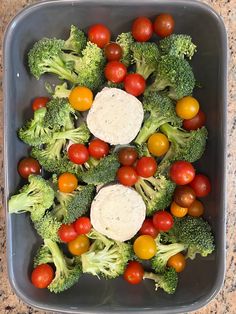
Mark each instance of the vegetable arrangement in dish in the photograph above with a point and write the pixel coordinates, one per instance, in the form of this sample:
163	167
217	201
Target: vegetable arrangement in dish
110	173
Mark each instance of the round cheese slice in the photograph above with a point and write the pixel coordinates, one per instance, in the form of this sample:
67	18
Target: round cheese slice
115	116
117	212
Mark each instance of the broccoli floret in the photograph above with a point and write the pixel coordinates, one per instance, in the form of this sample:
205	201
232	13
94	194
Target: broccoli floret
68	270
48	227
143	150
89	67
50	157
34	132
73	205
185	145
43	256
114	85
46	56
105	257
161	110
156	192
194	232
174	75
35	198
167	281
145	57
61	91
77	40
125	40
101	171
59	115
178	45
78	135
164	252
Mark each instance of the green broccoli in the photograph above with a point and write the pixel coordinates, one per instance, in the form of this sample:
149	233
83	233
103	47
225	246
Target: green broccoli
142	150
34	132
59	115
156	192
161	110
101	171
51	157
43	256
195	233
164	252
89	67
167	281
46	56
125	40
178	45
114	85
145	57
61	91
73	205
185	145
68	270
175	75
106	257
35	198
78	135
48	226
76	42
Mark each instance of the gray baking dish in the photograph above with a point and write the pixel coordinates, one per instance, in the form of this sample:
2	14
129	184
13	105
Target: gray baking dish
203	278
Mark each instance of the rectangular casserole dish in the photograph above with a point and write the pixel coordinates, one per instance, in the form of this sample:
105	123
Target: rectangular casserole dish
203	278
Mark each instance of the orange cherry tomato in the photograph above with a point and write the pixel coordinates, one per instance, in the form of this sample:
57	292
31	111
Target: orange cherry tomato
67	182
187	107
79	245
158	144
177	210
145	247
196	209
178	262
81	98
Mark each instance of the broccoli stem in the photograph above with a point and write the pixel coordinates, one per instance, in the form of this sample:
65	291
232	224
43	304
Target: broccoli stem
151	276
173	134
58	258
58	67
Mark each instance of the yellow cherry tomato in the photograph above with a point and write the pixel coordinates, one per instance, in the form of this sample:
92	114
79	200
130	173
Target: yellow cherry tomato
178	262
79	245
158	144
67	182
81	98
145	247
177	210
196	209
187	107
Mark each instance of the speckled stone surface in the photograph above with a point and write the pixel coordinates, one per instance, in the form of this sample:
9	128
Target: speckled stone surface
225	302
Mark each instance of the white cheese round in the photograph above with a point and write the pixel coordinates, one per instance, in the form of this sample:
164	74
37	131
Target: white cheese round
115	116
117	212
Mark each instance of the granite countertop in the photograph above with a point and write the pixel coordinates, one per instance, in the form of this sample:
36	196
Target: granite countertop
225	302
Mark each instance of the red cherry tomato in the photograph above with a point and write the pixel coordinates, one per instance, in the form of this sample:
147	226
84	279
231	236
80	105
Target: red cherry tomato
134	273
146	167
142	29
115	71
164	25
182	172
82	225
127	175
99	34
98	148
78	153
127	156
28	166
42	276
201	185
134	84
39	102
113	52
163	221
67	232
148	228
196	122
